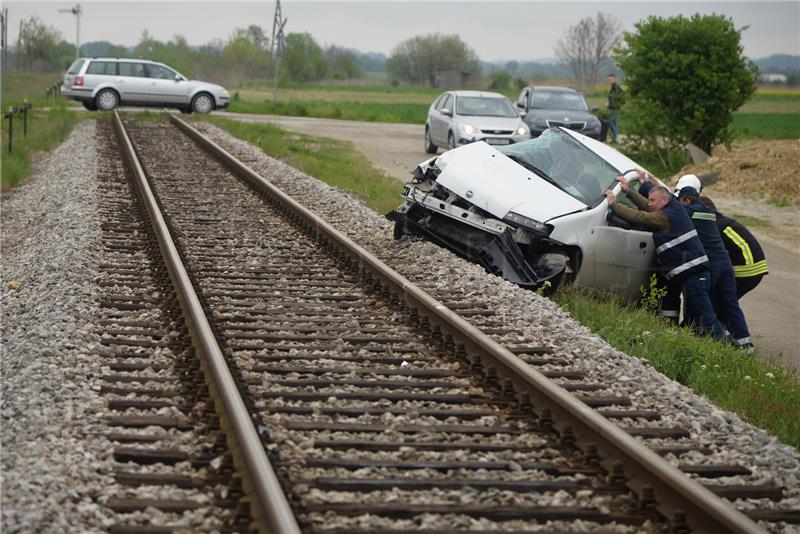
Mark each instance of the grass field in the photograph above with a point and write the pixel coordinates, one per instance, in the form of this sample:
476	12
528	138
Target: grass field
48	124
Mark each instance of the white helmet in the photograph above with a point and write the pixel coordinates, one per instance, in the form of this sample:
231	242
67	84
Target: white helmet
688	180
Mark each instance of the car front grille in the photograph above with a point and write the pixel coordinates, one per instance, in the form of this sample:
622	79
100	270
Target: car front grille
570	125
498	132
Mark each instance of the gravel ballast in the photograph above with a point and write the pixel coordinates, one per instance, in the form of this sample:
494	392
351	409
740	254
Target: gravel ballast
53	456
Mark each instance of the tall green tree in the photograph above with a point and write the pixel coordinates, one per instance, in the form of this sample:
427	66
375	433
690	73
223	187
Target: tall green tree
38	45
419	59
342	63
303	59
686	77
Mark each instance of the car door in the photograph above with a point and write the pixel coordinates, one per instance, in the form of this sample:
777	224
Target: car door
623	259
132	83
440	122
165	88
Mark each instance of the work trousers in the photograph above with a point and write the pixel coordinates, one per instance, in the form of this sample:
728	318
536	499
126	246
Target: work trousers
746	284
699	309
726	303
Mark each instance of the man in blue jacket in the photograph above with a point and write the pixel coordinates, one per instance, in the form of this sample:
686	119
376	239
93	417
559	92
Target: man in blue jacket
679	251
723	281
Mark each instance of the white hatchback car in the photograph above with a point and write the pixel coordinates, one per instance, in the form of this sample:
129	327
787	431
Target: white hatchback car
460	117
105	83
532	212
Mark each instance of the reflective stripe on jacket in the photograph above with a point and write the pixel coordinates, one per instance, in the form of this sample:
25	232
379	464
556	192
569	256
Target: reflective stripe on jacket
746	254
705	222
680	250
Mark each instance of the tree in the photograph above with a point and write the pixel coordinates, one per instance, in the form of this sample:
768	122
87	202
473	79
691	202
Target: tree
499	79
689	74
303	58
587	46
38	45
342	64
419	59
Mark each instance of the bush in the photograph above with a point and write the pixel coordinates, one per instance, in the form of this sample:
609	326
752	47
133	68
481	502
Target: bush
686	77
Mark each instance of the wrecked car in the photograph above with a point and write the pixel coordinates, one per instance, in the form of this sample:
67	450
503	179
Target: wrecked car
532	212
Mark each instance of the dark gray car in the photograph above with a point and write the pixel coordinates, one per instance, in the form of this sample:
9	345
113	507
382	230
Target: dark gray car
547	107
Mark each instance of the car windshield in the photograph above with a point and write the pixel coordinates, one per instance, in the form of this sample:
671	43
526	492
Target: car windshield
484	107
565	100
561	159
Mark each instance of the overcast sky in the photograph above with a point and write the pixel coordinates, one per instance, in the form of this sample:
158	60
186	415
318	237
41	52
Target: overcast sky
496	31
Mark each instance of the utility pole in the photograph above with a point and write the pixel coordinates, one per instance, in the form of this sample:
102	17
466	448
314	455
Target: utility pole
77	11
277	45
4	40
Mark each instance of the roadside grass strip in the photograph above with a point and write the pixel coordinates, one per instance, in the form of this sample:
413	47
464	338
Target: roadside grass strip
334	162
761	393
46	129
348	110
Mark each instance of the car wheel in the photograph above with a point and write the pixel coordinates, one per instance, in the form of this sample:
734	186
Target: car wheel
430	148
451	141
106	100
202	103
89	105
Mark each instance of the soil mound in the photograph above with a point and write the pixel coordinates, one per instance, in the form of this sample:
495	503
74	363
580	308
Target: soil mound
765	169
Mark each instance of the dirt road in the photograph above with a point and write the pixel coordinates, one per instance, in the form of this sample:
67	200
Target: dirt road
772	309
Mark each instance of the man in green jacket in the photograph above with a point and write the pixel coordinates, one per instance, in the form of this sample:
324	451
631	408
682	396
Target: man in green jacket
614	105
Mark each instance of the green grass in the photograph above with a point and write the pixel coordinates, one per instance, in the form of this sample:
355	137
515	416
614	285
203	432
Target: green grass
46	129
357	111
334	162
20	85
762	393
766	125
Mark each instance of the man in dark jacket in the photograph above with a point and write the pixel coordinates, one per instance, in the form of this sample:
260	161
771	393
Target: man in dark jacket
747	256
614	105
723	282
679	251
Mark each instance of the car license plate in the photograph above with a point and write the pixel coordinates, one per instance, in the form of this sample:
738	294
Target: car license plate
493	141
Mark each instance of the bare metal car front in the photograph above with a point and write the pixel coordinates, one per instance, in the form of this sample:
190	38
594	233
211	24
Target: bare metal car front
533	212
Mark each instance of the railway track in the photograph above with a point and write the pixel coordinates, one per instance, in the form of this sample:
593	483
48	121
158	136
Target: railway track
376	406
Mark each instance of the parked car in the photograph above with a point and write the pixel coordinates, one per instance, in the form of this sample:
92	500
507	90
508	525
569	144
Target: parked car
460	117
105	83
532	212
546	107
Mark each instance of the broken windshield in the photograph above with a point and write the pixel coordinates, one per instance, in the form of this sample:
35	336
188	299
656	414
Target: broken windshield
567	163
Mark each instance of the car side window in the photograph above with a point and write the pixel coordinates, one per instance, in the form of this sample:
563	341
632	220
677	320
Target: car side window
135	70
522	101
448	103
440	101
159	72
108	68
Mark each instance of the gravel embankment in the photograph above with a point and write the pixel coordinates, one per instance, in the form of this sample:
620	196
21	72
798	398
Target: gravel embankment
53	456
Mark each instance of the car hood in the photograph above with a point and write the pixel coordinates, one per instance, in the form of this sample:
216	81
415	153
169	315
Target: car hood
494	183
559	115
206	85
491	123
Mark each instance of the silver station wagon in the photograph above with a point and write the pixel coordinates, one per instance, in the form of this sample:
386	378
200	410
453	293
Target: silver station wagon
105	83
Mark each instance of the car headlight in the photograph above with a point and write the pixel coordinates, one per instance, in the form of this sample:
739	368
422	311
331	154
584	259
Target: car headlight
468	129
523	130
528	224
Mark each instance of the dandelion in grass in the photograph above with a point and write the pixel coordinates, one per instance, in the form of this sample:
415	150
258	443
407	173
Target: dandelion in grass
703	367
770	375
747	378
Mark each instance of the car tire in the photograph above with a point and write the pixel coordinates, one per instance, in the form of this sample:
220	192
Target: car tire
202	103
451	141
89	105
106	100
430	148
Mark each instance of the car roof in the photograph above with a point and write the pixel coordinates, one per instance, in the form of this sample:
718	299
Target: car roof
137	60
483	94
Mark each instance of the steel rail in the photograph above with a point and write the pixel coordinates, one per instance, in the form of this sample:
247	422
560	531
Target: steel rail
677	495
268	503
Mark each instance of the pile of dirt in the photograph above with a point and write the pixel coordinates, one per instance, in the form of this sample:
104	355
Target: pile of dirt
760	169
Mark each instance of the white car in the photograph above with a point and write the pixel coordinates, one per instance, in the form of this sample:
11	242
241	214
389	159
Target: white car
532	212
460	117
105	83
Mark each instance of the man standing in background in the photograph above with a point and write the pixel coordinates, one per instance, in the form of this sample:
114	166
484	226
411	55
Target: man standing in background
614	105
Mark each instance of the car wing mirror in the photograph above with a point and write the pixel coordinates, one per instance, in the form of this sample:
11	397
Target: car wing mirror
595	110
523	114
447	111
178	78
